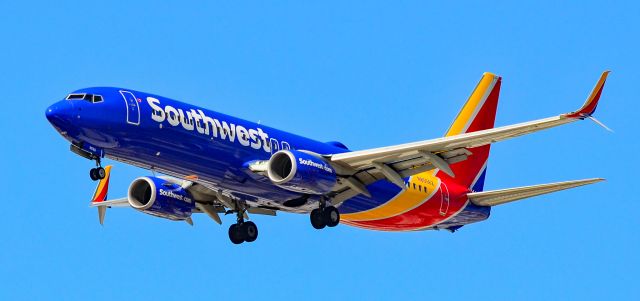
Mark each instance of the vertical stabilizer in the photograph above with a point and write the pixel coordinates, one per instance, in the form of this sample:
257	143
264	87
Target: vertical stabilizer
478	113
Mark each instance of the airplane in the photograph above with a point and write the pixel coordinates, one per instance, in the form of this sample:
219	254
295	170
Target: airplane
217	164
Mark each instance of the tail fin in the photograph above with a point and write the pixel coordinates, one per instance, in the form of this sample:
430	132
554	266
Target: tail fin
478	113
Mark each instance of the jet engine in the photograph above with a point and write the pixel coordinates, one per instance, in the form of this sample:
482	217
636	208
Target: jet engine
161	198
301	172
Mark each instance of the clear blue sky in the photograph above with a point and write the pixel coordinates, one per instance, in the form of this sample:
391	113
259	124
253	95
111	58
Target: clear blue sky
367	74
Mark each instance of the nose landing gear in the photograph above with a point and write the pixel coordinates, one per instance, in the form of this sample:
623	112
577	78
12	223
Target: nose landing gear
97	173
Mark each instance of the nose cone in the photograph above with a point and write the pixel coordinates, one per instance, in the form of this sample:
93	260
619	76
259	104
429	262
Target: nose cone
60	114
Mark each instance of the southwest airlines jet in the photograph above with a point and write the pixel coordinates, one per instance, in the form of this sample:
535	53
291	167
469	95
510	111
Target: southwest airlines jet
218	164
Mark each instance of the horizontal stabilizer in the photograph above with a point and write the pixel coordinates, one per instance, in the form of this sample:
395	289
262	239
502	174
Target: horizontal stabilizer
502	196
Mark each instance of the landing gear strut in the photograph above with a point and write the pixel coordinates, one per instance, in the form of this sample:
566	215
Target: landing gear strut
97	173
324	216
242	231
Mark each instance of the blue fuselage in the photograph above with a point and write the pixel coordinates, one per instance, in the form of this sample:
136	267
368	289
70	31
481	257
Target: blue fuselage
181	140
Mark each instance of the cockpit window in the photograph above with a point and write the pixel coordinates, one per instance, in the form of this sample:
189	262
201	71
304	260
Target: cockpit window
85	96
75	96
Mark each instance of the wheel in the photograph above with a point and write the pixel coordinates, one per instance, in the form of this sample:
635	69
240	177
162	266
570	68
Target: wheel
100	173
93	173
250	231
331	216
235	234
317	219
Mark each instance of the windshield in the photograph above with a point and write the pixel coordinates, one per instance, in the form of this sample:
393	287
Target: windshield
93	98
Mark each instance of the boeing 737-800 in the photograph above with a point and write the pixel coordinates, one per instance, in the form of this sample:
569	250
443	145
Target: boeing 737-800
219	164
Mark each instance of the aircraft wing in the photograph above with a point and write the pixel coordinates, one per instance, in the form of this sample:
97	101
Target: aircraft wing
399	161
122	202
208	200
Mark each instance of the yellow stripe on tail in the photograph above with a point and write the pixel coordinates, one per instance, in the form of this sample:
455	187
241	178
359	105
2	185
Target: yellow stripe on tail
478	113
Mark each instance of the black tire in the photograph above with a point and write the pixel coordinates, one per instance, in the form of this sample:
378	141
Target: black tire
100	173
250	231
317	219
235	234
93	174
331	216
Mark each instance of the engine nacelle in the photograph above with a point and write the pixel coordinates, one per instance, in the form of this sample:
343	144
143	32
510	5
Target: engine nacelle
161	198
301	172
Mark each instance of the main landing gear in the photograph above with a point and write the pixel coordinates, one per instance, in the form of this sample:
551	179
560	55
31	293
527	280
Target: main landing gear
324	216
97	173
243	231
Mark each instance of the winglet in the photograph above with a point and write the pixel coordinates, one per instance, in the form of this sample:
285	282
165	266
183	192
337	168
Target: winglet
592	101
103	187
101	194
